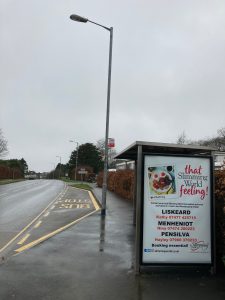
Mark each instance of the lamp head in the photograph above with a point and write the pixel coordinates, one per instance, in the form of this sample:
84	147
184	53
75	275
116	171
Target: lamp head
78	18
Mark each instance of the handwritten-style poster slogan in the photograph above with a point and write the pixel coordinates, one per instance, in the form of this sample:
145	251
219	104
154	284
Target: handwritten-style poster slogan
176	212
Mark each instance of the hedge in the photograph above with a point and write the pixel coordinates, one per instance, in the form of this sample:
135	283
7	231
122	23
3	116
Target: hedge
9	173
121	182
220	214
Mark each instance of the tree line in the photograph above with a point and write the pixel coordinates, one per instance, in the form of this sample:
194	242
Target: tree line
87	154
217	142
10	168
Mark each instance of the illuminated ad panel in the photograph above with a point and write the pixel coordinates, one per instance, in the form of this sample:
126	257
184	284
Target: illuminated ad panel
176	210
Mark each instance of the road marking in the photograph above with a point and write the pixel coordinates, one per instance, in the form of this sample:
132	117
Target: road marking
23	239
95	203
70	200
75	201
84	205
47	236
37	224
45	215
3	194
26	227
74	205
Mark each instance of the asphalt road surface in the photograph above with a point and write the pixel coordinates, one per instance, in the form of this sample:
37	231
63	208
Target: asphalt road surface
33	211
21	202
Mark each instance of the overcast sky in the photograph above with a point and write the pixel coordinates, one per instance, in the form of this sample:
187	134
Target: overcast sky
168	73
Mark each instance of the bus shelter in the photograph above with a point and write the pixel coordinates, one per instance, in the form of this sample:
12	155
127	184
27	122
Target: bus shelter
174	207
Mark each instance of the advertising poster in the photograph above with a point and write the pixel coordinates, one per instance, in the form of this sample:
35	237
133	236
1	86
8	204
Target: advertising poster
176	210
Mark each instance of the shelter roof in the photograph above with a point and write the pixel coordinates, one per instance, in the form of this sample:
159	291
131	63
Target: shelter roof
158	148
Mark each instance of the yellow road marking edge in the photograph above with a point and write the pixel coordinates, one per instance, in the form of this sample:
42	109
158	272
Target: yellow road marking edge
26	227
94	201
47	236
37	224
24	239
91	195
51	234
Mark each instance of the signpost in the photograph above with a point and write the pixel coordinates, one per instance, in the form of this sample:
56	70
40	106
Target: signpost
82	172
111	143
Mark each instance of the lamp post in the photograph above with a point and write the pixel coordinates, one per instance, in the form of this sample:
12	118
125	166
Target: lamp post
104	185
59	166
75	172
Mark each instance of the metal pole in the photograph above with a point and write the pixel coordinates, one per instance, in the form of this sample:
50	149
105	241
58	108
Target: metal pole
75	171
54	172
60	168
76	163
59	165
104	184
77	18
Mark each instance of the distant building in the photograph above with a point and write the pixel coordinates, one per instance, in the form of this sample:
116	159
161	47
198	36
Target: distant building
43	175
31	175
219	160
126	165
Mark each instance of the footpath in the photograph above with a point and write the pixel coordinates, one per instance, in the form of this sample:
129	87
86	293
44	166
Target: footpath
93	260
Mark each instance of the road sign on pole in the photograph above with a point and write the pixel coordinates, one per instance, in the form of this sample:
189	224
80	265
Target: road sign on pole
111	142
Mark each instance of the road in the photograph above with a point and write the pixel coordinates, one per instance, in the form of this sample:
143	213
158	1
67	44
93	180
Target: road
21	202
92	260
33	211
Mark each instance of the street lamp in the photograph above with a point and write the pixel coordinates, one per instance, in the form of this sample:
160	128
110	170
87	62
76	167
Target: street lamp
104	185
75	173
59	166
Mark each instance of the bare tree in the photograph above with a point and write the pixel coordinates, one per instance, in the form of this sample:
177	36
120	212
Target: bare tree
216	142
100	144
3	145
221	132
182	139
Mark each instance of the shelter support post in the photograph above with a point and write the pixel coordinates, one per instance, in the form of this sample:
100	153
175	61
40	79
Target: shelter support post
213	269
135	194
138	209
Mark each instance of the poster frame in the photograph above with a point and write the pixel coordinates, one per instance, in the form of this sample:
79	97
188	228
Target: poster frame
212	215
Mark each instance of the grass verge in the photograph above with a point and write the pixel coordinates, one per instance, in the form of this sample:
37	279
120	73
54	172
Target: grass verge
77	184
7	181
83	186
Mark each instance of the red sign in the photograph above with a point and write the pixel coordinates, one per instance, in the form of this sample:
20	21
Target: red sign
111	143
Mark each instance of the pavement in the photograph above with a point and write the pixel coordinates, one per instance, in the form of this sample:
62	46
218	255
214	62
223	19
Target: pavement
94	260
